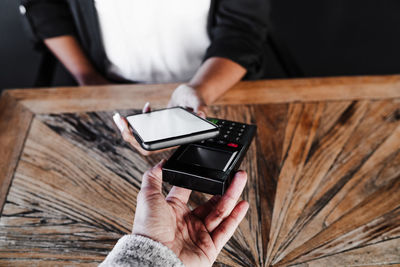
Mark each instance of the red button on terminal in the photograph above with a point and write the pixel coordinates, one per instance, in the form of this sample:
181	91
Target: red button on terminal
233	145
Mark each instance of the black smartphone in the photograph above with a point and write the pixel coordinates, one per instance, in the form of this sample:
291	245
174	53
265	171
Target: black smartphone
170	127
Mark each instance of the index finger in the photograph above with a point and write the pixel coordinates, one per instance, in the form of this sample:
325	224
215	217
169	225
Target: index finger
227	202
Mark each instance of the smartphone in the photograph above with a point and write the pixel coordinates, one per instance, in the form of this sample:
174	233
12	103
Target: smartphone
170	127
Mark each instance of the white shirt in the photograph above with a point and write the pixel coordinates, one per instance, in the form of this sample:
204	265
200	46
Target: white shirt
154	41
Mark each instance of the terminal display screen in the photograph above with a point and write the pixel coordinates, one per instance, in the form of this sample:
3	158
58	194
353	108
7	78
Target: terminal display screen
207	157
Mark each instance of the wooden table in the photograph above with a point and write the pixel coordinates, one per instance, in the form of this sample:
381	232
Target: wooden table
324	172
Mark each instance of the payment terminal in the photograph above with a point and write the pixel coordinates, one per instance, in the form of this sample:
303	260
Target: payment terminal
209	165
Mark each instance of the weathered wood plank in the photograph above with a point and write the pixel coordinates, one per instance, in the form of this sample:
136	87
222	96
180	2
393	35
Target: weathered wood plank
271	123
383	202
357	172
380	229
66	179
96	133
381	254
114	97
315	165
14	125
302	125
33	234
246	249
324	182
84	207
93	98
338	173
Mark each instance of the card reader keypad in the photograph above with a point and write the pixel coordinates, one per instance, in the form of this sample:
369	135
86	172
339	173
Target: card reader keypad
231	133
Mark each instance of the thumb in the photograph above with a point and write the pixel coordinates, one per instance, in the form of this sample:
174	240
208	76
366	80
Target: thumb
146	108
152	179
202	111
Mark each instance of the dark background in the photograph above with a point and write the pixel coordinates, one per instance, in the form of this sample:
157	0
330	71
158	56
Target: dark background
326	38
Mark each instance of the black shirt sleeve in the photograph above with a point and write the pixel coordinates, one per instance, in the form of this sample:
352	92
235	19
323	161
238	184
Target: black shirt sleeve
238	31
49	18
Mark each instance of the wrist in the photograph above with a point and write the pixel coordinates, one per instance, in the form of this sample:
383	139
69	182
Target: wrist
203	93
83	76
187	96
89	78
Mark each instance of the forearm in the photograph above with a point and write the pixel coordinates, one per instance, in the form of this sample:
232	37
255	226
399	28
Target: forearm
215	77
68	50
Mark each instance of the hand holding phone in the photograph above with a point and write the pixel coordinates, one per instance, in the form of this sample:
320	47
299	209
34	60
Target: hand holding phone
170	127
127	135
164	123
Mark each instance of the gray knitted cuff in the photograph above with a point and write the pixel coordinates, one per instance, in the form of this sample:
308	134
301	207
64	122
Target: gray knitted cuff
136	250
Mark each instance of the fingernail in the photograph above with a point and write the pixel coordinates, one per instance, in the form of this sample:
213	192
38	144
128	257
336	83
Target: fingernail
118	121
201	114
146	107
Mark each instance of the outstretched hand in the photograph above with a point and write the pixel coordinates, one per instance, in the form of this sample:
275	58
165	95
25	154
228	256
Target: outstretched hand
187	97
196	236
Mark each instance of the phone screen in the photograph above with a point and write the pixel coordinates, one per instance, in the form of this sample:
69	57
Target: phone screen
167	123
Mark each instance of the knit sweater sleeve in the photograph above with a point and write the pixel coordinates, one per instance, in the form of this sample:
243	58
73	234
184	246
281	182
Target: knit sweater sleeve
136	250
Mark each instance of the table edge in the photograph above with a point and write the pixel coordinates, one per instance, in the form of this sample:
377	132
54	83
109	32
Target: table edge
95	98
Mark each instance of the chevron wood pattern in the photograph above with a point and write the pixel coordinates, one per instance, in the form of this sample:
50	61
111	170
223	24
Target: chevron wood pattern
323	188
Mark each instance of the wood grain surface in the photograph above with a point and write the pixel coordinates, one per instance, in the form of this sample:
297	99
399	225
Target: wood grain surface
15	121
323	188
324	173
111	97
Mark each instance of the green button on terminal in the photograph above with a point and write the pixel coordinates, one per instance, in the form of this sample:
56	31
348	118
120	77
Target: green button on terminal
215	121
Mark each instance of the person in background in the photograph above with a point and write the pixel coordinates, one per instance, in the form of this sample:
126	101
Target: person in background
207	45
167	233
